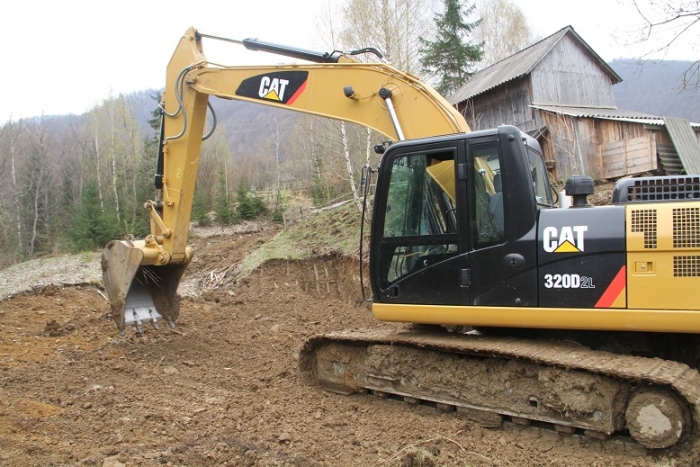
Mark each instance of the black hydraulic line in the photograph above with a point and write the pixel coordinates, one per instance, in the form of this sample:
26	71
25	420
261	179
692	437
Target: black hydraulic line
368	181
367	50
213	122
159	161
179	89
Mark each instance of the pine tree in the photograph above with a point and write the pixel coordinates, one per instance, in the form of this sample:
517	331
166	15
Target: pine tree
451	57
200	211
90	227
249	207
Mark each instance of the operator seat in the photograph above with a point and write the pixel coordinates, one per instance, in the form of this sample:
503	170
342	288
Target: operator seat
496	205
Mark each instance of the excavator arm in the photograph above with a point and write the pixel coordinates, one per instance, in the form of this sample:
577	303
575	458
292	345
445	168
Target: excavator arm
141	277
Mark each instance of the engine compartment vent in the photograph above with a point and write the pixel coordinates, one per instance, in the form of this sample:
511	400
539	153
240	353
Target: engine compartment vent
646	189
686	266
686	228
644	221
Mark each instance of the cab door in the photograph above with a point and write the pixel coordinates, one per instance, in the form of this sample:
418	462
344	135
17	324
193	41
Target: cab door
419	249
502	217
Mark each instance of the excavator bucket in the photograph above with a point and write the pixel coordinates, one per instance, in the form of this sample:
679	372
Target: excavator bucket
139	293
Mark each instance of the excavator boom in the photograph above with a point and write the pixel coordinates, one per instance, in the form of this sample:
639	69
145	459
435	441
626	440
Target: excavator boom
141	277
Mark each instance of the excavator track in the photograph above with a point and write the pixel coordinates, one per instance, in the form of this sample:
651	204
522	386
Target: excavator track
570	386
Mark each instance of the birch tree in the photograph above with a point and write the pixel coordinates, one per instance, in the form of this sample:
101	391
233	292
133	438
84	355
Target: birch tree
36	188
503	30
392	26
118	147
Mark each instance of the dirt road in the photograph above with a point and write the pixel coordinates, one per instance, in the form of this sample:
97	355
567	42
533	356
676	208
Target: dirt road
222	389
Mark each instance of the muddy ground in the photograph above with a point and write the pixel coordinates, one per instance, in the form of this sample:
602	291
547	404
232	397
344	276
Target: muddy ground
223	388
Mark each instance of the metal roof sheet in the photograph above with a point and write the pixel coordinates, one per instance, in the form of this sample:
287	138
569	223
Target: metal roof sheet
609	113
597	112
520	64
686	143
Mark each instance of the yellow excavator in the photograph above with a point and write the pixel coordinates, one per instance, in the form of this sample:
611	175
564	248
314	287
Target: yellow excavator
584	319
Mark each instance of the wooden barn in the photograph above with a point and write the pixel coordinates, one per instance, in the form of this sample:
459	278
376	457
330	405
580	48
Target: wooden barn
561	92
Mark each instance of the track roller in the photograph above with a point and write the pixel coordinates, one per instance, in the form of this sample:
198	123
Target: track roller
657	418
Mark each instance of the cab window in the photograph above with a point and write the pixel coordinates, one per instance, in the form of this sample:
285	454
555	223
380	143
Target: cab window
488	194
420	218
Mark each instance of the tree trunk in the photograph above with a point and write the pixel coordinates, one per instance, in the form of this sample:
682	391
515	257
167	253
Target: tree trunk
99	179
348	164
15	186
115	192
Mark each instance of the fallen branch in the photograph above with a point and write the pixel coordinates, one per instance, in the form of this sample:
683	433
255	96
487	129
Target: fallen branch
410	446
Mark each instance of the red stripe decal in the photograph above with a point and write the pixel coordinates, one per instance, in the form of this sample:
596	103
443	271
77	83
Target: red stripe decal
296	94
614	289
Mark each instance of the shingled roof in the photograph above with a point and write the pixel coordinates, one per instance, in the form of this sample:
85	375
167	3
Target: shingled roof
521	64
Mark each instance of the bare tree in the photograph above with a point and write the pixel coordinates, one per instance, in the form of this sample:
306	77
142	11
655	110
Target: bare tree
393	26
10	135
117	150
348	164
503	30
36	187
666	24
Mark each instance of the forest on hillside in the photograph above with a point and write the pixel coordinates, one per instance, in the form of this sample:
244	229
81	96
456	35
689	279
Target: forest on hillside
73	183
656	88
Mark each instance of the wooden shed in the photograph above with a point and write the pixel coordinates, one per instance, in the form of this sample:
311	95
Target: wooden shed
561	92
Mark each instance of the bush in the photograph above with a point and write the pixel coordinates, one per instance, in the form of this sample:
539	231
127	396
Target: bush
249	207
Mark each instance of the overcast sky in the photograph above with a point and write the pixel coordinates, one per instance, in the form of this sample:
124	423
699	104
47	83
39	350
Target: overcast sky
65	56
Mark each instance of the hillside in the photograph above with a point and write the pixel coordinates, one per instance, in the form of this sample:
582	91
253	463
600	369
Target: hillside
648	87
654	88
246	124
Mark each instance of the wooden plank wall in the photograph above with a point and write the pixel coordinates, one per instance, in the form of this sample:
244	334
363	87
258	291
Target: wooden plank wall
509	104
563	145
628	157
568	75
596	147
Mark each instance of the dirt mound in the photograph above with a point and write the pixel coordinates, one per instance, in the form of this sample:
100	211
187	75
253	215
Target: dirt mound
222	388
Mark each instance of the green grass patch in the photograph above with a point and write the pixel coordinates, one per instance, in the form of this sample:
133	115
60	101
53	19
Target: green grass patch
335	231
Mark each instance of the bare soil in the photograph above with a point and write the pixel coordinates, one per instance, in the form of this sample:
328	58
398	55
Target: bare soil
223	388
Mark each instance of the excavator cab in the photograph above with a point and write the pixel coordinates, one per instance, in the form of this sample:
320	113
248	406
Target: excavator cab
447	204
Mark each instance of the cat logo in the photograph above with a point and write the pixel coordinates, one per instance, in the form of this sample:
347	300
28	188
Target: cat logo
283	87
272	89
567	240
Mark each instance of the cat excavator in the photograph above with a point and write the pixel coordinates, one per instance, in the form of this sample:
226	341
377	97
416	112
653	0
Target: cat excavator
583	319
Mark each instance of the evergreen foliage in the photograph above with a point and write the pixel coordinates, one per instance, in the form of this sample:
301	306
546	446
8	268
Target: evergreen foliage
450	56
91	228
200	213
249	207
7	238
319	186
